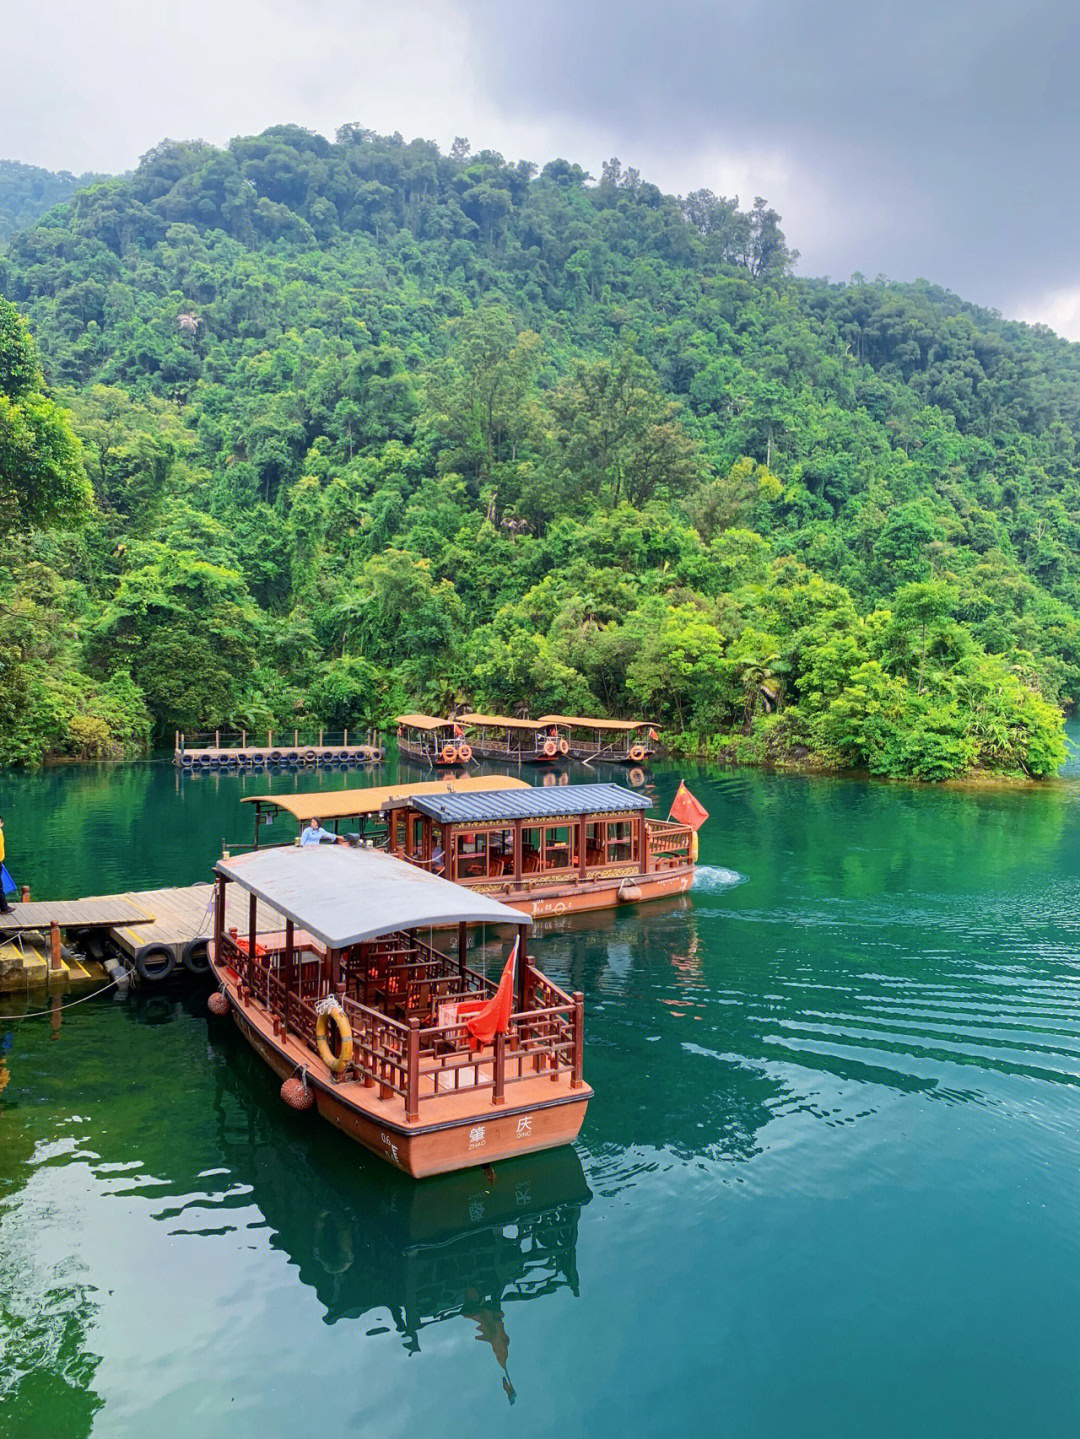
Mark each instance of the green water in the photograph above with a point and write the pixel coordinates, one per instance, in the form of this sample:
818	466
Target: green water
829	1185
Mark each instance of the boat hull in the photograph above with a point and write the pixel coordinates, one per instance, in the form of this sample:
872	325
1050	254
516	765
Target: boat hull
593	894
552	1117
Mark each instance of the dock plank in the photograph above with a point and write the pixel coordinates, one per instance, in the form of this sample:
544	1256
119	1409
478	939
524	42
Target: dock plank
103	913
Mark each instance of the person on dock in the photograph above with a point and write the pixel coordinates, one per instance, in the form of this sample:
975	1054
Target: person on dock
315	834
7	884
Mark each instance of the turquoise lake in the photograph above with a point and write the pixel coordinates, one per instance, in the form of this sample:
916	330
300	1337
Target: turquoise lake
829	1184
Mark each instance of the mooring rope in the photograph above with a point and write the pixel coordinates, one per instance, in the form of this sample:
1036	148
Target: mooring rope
37	1013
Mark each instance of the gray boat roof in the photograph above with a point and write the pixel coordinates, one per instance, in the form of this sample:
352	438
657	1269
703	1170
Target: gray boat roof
343	895
536	802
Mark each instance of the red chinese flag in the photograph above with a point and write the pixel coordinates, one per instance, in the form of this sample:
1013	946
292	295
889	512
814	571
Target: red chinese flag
685	809
494	1018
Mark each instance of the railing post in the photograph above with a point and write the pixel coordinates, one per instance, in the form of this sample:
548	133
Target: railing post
290	951
54	945
579	1039
498	1069
412	1072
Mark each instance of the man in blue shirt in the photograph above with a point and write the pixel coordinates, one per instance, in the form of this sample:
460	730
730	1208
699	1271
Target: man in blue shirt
315	834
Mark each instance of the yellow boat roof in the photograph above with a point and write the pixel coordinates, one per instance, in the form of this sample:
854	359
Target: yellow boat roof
345	803
497	721
578	722
422	721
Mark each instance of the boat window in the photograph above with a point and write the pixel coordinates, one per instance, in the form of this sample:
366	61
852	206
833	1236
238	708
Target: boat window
471	857
531	861
500	853
620	840
559	846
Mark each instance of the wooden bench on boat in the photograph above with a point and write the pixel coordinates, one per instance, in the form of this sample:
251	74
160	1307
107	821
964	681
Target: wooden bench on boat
408	1079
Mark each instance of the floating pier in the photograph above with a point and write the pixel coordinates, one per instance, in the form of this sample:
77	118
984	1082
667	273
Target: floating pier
217	749
156	932
32	951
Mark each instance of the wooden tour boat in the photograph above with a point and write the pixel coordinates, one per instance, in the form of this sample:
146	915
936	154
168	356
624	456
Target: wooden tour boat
616	741
516	741
545	851
425	1061
437	743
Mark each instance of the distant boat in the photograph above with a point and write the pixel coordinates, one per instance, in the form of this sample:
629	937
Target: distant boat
430	741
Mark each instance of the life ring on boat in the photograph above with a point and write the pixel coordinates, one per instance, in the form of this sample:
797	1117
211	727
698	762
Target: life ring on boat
336	1063
693	848
464	753
550	748
637	753
564	746
449	754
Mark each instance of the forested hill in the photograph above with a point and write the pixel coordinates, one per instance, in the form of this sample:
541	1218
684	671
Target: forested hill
26	192
371	426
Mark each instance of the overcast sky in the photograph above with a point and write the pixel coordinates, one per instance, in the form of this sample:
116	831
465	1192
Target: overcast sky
923	139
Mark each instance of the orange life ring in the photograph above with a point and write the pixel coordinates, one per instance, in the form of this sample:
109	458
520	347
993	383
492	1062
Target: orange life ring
564	746
464	753
549	748
637	753
449	754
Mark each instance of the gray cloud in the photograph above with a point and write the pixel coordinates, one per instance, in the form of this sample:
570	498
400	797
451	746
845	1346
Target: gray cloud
932	139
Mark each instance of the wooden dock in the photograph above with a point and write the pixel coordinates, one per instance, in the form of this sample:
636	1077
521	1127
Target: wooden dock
183	914
164	922
106	913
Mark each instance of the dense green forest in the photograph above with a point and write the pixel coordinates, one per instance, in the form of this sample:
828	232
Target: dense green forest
368	426
26	192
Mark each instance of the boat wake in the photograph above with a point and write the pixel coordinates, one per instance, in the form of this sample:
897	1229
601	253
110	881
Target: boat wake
714	876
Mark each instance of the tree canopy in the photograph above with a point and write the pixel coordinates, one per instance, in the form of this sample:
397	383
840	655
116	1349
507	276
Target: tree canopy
367	424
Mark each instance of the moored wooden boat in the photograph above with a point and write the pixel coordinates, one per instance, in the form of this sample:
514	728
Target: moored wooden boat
613	740
349	997
437	743
515	741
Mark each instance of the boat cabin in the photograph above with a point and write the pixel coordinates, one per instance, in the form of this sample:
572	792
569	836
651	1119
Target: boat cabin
518	741
354	814
338	983
437	743
617	741
577	846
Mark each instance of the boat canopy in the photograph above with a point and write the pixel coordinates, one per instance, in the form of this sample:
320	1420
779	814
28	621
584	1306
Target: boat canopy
345	803
343	896
498	722
534	802
578	722
428	722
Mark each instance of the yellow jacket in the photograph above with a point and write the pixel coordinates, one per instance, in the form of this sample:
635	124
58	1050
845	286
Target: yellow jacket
1	846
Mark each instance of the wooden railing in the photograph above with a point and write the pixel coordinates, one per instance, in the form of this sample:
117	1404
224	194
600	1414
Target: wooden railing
667	837
420	1064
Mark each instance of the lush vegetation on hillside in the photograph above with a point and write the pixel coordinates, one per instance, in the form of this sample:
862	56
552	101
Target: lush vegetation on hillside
27	192
368	425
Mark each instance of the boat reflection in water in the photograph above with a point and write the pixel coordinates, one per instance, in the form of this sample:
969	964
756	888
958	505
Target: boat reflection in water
371	1241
